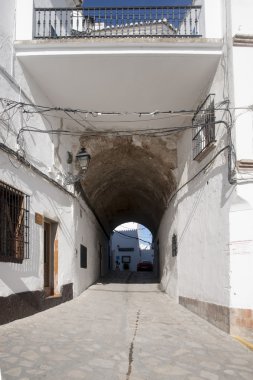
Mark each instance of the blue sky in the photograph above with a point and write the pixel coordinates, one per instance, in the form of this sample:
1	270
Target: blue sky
119	3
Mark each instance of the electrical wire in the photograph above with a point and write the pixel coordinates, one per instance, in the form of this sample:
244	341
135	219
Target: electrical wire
132	237
26	163
40	109
34	108
88	129
79	116
151	132
198	173
156	132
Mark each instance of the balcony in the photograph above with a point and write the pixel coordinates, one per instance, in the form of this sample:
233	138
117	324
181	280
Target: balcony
166	21
120	59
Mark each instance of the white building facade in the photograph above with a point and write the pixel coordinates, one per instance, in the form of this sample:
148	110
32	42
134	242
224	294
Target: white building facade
167	121
125	249
60	227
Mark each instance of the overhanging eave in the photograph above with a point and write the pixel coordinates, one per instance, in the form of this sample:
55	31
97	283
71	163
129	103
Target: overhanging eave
123	76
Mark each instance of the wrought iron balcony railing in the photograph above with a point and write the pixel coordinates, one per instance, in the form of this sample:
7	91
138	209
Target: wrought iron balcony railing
162	21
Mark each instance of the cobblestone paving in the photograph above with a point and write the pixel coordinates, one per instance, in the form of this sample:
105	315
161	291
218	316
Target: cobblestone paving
120	330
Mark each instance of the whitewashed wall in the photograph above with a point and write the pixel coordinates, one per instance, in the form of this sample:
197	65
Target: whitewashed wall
241	11
89	234
241	215
76	223
243	98
213	220
241	249
63	209
120	241
7	26
199	216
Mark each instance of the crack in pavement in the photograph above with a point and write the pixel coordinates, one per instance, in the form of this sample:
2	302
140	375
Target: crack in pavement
131	348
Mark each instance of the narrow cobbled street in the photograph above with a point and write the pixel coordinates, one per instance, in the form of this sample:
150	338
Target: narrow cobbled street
123	328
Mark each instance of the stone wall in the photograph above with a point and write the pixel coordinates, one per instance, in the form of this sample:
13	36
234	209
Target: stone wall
218	315
231	320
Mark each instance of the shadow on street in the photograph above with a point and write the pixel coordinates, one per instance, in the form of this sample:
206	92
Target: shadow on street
127	277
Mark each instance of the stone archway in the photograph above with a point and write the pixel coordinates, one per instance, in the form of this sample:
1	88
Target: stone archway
130	178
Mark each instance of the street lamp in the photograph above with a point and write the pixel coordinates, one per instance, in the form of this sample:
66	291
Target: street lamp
83	159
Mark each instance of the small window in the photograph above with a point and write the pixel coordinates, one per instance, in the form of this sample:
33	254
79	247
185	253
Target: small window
14	224
83	256
203	124
174	245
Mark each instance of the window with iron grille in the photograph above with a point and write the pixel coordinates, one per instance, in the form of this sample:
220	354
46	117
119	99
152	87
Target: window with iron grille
203	124
14	224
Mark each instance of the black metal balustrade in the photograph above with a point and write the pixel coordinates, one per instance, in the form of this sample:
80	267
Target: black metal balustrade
162	21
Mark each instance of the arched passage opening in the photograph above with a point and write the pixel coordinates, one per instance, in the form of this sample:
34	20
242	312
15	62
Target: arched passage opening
132	248
130	178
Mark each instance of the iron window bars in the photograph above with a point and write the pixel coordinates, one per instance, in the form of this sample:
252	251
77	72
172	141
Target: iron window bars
14	224
203	124
160	21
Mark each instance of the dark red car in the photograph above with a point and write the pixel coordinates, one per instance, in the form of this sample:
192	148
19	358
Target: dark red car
145	266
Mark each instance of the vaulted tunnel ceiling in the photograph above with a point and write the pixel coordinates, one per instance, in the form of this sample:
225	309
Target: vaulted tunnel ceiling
129	178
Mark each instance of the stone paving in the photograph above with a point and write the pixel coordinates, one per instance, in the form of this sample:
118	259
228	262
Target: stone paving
121	329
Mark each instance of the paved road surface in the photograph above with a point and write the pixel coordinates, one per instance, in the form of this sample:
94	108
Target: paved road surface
125	330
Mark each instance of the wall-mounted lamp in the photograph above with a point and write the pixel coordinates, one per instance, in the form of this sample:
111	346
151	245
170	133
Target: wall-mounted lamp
69	158
83	160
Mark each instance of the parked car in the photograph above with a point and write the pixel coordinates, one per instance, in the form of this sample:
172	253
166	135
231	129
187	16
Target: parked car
145	266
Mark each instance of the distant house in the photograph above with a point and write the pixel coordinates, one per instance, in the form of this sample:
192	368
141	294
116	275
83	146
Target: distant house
142	28
125	250
83	23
